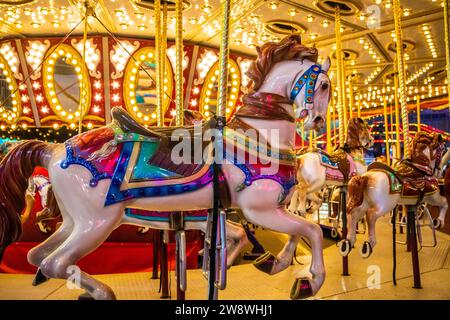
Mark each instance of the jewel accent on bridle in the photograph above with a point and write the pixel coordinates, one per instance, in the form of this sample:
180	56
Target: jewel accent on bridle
309	78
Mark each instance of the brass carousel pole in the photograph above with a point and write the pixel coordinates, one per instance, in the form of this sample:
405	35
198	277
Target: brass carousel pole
447	45
179	120
162	59
158	53
352	98
398	151
411	221
335	106
329	126
344	92
401	75
340	84
342	125
160	29
419	118
218	148
386	130
83	95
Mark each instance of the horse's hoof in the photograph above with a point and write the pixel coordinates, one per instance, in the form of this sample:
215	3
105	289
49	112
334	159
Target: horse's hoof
39	278
265	262
437	223
85	297
301	289
366	250
344	247
334	233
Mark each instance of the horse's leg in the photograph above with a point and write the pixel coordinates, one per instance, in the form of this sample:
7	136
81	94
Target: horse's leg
236	233
377	210
293	206
40	252
278	219
85	238
316	202
439	201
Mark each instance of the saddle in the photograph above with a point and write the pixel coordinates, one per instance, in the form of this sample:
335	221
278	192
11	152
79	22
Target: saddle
340	158
415	181
162	157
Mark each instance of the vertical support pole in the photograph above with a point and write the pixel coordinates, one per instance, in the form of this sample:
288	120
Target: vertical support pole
447	45
340	84
344	92
180	254
352	98
401	75
329	128
398	152
164	239
179	116
158	52
386	130
394	246
156	245
343	210
413	245
335	134
83	95
218	142
419	118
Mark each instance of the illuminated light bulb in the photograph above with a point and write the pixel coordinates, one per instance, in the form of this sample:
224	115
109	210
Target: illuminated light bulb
273	5
292	12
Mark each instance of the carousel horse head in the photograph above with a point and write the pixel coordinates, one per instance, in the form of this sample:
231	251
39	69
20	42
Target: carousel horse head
289	69
358	134
427	149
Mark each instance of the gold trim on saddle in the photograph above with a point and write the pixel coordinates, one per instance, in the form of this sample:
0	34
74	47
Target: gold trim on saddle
262	151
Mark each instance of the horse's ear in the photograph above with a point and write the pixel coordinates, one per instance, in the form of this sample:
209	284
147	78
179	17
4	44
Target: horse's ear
326	65
258	50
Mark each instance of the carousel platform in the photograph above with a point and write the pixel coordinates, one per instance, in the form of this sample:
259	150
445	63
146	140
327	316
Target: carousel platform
245	282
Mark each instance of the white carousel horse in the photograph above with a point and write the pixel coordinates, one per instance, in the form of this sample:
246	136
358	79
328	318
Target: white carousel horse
317	169
97	174
381	189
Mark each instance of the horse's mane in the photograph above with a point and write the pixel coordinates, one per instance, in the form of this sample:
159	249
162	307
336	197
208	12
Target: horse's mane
355	126
289	48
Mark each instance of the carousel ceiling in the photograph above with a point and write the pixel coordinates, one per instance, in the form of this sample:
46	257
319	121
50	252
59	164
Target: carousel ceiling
367	32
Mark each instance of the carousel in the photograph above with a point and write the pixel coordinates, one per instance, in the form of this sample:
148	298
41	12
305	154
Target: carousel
243	150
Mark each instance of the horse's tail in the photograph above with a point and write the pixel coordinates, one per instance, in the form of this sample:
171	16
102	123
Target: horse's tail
356	188
15	170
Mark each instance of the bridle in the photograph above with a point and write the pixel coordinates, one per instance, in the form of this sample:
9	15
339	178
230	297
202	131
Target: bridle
309	79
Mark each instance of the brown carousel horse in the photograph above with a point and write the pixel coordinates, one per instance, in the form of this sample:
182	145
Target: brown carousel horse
381	189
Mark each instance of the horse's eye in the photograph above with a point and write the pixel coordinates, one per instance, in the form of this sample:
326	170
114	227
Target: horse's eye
325	86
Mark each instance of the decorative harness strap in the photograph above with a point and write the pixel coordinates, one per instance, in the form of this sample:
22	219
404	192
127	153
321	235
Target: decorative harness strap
309	78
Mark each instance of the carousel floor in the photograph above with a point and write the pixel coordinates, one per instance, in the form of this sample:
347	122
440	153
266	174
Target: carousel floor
245	282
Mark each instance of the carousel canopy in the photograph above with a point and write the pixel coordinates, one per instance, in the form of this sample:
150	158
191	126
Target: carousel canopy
30	28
